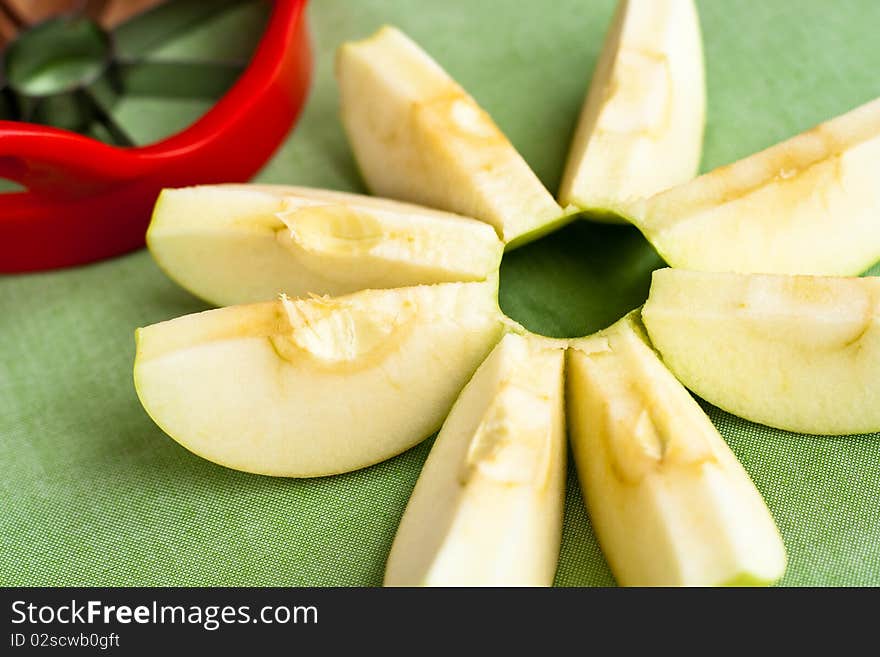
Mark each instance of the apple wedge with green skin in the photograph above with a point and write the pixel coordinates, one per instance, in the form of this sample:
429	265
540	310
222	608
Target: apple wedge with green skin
668	500
487	508
810	205
232	244
318	386
418	136
641	127
793	352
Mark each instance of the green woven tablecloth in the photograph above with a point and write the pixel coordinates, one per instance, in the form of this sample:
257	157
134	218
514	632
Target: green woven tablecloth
93	493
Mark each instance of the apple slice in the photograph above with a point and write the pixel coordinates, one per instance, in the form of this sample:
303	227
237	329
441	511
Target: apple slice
668	500
233	244
418	136
809	205
308	387
487	508
795	352
641	126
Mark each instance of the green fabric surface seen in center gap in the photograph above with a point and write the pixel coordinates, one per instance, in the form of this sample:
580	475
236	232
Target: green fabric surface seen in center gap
95	494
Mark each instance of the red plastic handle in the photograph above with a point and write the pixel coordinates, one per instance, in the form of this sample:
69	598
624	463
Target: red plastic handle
88	200
61	163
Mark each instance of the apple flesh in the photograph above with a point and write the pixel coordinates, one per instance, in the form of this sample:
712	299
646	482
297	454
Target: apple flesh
806	206
641	127
793	352
318	386
668	500
487	508
231	244
418	136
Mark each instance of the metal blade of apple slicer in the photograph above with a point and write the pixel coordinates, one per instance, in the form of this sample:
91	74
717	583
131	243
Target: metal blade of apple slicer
69	69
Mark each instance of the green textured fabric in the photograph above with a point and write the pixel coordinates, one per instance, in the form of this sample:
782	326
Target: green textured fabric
93	493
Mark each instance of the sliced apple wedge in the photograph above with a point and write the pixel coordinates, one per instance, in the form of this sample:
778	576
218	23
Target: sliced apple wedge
810	205
795	352
308	387
232	244
487	508
418	136
641	127
669	501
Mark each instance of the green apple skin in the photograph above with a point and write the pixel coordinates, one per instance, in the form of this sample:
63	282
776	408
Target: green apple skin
668	500
318	386
487	508
793	352
808	205
641	127
234	244
419	137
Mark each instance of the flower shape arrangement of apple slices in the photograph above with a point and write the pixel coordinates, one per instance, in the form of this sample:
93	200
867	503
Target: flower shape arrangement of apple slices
386	326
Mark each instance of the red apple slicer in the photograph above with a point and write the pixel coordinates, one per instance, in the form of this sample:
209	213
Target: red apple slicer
85	186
